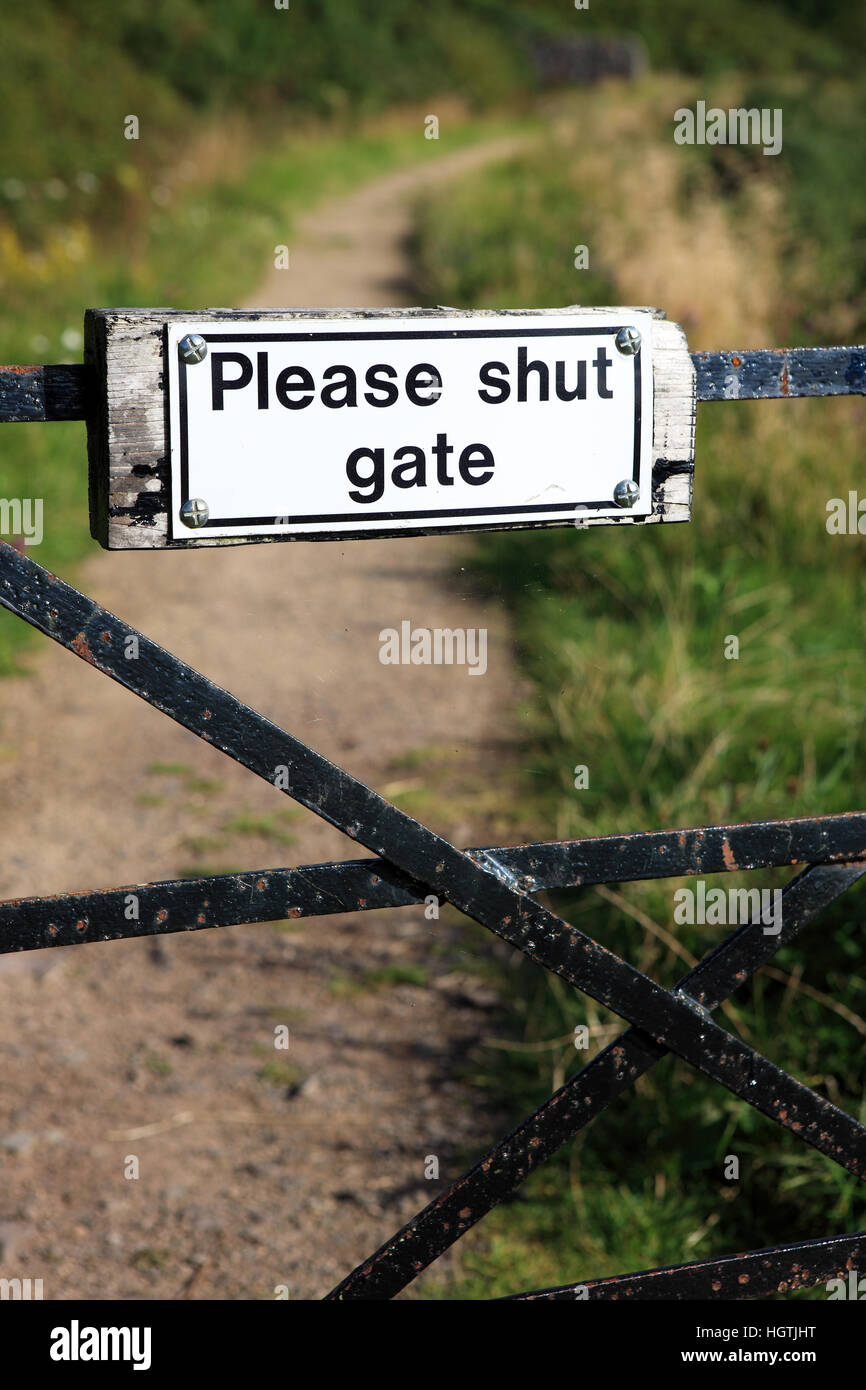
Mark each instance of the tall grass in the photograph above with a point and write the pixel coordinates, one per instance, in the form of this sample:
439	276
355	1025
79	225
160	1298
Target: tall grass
623	633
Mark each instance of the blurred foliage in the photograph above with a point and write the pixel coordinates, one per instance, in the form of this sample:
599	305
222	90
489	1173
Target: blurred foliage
71	74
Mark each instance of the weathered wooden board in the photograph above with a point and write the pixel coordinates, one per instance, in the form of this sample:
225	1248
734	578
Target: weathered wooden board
128	428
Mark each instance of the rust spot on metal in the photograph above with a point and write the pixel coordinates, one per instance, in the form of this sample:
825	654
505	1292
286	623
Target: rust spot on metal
52	929
465	1213
201	919
728	854
206	714
161	915
79	926
742	1278
294	912
81	648
261	884
736	361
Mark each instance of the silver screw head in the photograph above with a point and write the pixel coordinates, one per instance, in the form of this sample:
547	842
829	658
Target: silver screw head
194	512
192	348
626	493
628	341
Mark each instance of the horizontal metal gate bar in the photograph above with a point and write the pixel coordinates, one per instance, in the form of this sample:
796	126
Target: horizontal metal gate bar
64	392
362	885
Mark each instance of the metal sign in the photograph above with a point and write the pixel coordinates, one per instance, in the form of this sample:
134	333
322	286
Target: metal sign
236	426
313	427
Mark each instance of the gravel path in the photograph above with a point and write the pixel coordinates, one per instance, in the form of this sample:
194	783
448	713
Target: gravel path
257	1167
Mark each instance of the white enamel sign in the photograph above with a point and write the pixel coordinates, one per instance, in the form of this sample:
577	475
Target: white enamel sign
356	426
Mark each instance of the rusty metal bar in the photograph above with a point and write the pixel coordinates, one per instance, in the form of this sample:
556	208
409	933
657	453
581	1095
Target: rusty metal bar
757	1274
780	373
45	393
314	890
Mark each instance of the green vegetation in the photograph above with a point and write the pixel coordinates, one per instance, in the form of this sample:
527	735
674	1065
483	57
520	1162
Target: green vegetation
623	635
265	827
343	985
283	1076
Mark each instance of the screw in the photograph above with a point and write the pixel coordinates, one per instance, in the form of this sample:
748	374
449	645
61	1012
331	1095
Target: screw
626	493
194	512
628	341
192	348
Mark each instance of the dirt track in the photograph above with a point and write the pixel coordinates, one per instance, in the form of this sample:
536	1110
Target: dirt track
250	1176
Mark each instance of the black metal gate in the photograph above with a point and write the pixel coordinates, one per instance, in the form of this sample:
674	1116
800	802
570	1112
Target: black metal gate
496	886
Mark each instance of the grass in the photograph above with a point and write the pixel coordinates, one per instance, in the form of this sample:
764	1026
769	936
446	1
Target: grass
265	827
282	1076
623	633
343	985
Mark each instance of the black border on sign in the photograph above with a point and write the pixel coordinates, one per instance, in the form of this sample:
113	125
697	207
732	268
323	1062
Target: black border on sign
243	523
